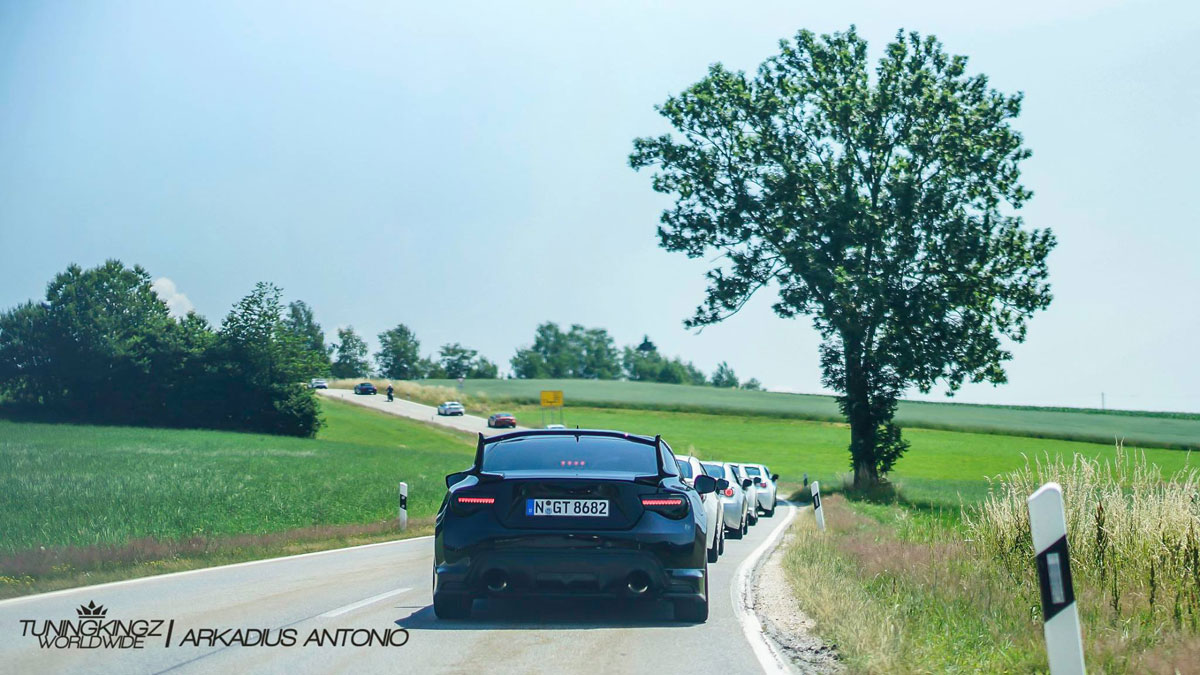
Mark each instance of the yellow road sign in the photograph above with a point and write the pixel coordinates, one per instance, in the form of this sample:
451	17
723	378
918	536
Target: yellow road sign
552	399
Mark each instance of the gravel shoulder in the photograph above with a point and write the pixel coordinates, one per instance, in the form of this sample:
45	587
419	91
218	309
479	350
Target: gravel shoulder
784	623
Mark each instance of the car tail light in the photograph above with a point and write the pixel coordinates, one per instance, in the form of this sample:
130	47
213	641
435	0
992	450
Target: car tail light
729	492
671	506
466	504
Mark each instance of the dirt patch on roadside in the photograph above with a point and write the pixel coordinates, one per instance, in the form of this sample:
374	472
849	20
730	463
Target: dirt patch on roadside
785	623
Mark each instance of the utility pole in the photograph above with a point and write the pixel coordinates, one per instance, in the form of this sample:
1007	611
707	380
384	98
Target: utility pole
1102	400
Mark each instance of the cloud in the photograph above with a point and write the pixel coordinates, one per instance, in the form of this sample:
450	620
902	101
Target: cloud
177	302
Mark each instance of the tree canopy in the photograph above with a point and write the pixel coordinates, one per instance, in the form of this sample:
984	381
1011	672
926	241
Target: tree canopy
879	202
103	347
350	354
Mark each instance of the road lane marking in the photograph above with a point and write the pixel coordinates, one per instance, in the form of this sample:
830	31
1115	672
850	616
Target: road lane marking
742	592
363	603
169	575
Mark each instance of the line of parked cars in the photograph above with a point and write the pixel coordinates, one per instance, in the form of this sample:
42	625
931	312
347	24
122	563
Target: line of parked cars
576	512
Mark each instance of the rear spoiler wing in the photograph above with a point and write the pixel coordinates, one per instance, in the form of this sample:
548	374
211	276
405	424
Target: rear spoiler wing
483	441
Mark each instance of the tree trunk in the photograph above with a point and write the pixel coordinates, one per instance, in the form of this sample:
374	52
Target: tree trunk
863	425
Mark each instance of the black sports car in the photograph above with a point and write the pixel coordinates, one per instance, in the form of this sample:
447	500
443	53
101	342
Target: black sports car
572	512
365	388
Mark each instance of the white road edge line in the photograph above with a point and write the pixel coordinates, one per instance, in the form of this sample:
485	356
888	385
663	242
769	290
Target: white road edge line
169	575
363	603
742	592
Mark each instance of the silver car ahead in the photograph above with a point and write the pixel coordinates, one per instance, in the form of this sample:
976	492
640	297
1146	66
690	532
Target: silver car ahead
751	491
733	498
764	480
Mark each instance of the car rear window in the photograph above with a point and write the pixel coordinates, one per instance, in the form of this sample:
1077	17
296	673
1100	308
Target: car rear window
570	454
685	468
752	470
714	470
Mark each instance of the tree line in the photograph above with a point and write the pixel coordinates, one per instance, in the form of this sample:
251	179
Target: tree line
103	347
577	353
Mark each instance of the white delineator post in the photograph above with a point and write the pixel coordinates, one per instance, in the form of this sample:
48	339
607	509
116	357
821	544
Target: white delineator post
403	506
818	511
1064	643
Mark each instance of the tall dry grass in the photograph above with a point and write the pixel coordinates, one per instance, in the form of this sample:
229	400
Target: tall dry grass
1133	533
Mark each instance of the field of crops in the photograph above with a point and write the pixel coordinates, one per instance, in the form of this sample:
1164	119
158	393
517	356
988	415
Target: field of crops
1163	430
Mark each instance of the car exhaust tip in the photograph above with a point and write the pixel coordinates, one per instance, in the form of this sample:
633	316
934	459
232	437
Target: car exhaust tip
495	580
638	582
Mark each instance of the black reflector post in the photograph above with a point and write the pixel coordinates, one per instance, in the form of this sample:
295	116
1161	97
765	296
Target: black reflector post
1048	525
818	510
403	506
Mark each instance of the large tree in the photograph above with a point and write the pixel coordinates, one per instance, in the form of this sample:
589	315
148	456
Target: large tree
350	358
399	354
581	352
303	324
881	203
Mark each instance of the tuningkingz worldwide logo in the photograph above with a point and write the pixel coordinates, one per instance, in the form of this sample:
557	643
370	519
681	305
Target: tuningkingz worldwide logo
92	628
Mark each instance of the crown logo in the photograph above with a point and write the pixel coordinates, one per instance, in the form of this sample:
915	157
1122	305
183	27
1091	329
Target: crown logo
91	611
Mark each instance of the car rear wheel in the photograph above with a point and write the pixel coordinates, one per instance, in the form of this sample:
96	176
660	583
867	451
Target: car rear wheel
771	511
714	552
452	605
737	532
693	610
721	541
746	525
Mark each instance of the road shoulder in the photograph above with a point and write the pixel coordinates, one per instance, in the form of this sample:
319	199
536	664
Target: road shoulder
784	623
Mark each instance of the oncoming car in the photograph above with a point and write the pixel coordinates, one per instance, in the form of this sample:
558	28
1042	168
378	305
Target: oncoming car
365	388
502	420
572	513
451	408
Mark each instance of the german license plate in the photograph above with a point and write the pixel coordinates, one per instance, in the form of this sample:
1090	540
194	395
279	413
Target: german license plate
597	508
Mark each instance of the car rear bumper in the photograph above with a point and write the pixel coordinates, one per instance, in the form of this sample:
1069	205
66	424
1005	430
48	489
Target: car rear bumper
666	562
622	574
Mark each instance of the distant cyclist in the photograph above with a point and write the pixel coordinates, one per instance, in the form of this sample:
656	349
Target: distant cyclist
390	393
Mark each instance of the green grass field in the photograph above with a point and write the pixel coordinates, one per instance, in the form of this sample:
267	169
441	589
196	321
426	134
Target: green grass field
1164	430
940	466
69	485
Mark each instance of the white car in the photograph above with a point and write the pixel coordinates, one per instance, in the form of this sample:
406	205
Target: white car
451	408
734	504
318	383
751	492
556	426
764	480
689	468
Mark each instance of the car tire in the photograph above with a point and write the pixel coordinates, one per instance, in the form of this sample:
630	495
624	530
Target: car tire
737	532
452	605
714	552
745	527
693	610
770	513
721	541
754	516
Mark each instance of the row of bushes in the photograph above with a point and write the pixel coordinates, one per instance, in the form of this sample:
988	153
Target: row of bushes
104	347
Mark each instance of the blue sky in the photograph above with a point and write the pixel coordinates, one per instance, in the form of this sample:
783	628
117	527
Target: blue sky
461	167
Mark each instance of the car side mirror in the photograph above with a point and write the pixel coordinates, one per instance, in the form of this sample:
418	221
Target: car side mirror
705	484
775	477
722	483
455	478
757	480
746	483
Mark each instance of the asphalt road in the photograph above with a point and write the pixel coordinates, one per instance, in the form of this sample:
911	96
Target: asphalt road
417	411
387	586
